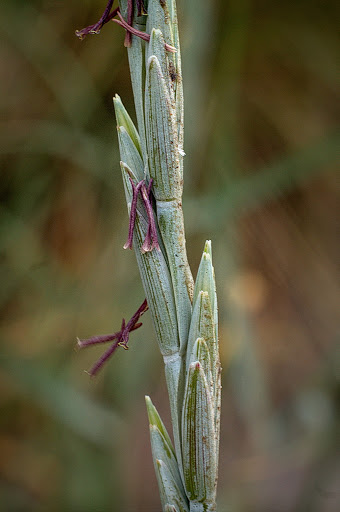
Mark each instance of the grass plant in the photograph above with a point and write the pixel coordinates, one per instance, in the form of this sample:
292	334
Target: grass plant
262	138
184	313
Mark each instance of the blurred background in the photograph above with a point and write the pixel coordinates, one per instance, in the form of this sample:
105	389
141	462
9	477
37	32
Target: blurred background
262	140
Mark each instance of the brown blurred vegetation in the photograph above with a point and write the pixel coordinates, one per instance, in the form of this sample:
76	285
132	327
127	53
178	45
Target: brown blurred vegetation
262	141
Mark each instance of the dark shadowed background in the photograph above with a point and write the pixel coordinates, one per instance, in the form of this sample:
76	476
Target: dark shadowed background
262	136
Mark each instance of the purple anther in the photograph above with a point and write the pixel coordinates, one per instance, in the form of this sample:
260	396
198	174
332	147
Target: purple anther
140	7
105	17
130	12
139	33
127	25
97	339
151	239
130	9
121	337
133	212
132	323
150	187
102	360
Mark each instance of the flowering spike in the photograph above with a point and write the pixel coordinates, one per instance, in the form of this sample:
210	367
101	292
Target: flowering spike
184	317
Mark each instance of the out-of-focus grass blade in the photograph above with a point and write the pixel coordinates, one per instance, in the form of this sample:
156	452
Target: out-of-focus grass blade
241	195
85	150
77	103
61	401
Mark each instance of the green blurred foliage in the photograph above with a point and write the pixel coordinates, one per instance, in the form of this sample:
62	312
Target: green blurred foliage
262	139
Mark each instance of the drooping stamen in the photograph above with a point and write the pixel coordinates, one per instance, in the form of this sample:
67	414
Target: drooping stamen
97	339
150	187
151	239
102	360
121	337
130	9
133	212
105	18
139	33
140	7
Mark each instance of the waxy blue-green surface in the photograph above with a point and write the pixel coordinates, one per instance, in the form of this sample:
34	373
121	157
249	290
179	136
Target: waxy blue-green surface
184	316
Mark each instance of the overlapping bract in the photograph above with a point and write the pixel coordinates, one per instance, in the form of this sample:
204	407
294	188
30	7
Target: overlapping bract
201	407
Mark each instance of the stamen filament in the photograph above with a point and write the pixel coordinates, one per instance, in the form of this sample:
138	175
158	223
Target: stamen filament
102	360
97	339
127	25
127	41
139	33
151	240
133	212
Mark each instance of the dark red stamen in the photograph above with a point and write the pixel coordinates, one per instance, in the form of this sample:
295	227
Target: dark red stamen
149	187
121	337
140	7
139	33
133	212
97	339
105	18
151	238
127	25
130	9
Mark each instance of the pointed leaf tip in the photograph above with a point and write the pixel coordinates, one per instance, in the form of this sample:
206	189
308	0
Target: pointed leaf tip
207	247
124	120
